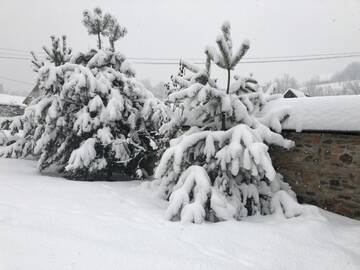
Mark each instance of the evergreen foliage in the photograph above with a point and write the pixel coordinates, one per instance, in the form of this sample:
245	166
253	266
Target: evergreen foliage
58	54
93	117
220	168
100	24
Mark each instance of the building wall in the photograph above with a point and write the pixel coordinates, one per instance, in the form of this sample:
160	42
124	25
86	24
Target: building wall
323	169
10	110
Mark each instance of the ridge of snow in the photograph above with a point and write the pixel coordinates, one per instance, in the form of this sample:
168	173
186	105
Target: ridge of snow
6	99
325	113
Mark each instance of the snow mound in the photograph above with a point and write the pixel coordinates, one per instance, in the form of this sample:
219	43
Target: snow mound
282	204
51	223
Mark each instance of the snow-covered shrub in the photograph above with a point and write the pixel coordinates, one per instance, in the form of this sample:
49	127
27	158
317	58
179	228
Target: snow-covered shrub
93	118
220	168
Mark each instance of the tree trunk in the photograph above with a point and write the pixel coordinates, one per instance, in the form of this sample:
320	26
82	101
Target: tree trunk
112	45
223	119
99	41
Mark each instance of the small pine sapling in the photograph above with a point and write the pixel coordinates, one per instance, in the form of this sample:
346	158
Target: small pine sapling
220	168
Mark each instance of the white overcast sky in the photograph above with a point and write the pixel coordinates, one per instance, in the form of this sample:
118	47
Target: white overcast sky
182	28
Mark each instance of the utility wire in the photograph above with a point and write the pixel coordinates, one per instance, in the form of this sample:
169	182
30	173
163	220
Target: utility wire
304	55
202	59
15	58
176	63
303	59
333	56
243	62
14	80
15	54
257	61
18	51
14	50
245	58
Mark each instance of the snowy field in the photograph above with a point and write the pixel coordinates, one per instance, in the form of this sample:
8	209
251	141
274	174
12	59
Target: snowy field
52	223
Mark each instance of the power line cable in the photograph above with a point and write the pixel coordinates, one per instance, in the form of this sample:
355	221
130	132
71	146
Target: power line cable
305	55
15	58
177	62
14	50
302	59
259	61
20	54
15	80
243	62
245	58
28	54
14	53
18	51
198	58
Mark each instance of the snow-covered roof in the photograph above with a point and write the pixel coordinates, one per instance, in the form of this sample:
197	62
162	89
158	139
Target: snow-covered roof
11	100
297	93
326	113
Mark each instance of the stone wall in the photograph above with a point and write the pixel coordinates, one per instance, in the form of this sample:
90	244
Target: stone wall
323	169
10	110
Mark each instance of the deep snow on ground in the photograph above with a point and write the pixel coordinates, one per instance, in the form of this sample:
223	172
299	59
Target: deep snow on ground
53	223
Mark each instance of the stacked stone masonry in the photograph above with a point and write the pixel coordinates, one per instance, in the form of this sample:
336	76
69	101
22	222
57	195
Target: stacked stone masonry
323	169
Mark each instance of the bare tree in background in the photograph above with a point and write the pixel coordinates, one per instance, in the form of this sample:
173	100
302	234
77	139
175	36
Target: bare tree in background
285	82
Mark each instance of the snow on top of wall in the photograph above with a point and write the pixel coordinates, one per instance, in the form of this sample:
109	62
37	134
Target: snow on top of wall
11	100
327	113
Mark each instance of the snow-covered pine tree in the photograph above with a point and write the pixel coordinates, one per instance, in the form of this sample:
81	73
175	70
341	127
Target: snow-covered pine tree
220	168
58	54
92	119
